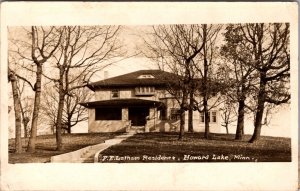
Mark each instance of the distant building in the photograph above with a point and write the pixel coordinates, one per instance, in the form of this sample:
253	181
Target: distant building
140	101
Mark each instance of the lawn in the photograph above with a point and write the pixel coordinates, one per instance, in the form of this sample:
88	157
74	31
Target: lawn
164	147
46	145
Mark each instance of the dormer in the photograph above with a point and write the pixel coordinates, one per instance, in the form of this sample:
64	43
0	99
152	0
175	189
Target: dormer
145	76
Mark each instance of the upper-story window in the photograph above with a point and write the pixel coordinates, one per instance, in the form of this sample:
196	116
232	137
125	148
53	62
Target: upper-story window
115	94
145	90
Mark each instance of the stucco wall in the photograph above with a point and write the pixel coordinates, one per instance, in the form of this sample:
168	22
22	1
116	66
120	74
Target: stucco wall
279	126
173	125
128	93
106	94
102	95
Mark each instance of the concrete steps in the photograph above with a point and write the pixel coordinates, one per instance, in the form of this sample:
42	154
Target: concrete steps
137	129
89	154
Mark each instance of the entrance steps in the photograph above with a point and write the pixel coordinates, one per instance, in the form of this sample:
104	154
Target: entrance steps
137	129
89	154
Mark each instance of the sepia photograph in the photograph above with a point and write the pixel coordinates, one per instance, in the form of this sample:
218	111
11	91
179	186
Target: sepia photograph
161	93
119	96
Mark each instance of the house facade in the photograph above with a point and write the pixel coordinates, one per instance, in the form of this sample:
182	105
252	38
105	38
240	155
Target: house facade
140	101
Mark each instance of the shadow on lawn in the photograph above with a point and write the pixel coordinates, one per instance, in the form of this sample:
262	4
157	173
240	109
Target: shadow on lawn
46	146
267	149
173	136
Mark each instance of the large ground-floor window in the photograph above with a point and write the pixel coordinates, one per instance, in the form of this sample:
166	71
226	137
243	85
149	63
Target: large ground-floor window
175	114
212	117
108	114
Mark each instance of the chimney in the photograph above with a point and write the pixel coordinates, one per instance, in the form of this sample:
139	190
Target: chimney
105	75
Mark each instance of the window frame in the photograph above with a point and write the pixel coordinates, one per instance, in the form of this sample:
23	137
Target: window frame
210	117
110	113
214	116
144	90
112	93
175	116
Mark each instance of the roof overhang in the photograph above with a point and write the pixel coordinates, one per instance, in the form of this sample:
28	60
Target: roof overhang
123	103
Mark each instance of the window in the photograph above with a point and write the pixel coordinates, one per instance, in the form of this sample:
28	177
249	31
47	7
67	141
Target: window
202	117
212	117
115	94
108	114
163	114
145	90
175	114
145	76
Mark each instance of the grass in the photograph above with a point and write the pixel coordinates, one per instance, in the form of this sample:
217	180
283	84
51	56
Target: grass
152	147
46	145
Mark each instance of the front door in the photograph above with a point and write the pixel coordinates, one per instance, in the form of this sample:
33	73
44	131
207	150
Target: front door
138	116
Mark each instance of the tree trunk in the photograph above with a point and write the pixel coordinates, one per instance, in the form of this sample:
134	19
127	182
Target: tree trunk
182	123
25	123
240	120
190	124
206	119
59	145
17	108
260	108
205	100
183	107
69	127
227	132
36	108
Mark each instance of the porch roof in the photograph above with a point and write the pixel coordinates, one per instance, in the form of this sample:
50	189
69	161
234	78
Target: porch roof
132	102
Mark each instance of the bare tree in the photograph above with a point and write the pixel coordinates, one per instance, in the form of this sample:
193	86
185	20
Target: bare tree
229	104
40	46
73	112
40	53
228	115
175	48
206	64
49	106
13	80
268	46
242	74
25	105
84	50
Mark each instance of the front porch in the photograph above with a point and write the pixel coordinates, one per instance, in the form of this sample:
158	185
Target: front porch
123	115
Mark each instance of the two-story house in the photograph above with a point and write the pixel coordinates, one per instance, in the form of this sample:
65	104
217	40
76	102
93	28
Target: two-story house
140	101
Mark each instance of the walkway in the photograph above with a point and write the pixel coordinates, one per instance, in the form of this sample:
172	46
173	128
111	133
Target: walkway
87	154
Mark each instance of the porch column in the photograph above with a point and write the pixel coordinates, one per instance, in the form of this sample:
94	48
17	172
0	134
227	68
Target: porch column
125	118
125	114
151	123
91	120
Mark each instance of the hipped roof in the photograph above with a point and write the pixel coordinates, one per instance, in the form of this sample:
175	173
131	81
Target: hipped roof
161	78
